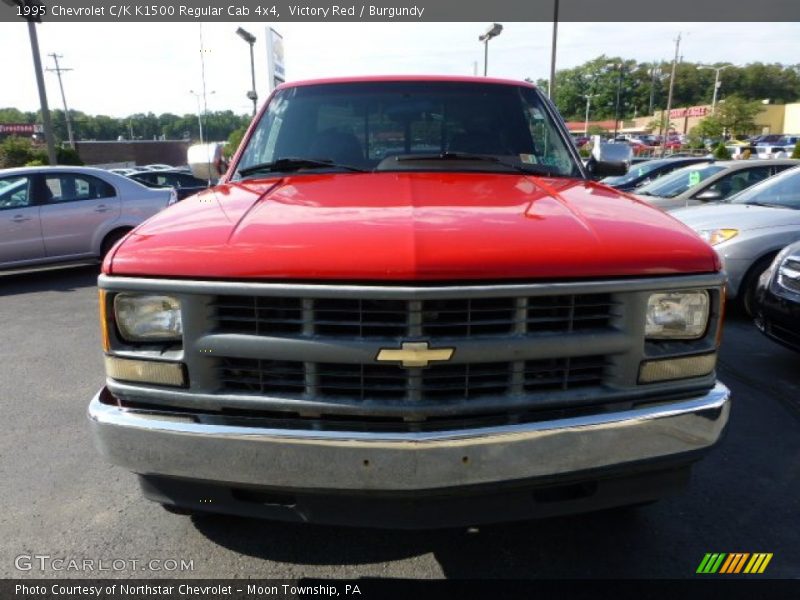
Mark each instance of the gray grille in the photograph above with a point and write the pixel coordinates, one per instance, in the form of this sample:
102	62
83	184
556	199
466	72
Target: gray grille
452	318
437	382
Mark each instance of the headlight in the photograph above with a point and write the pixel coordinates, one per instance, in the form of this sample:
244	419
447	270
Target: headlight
717	236
789	273
677	315
148	317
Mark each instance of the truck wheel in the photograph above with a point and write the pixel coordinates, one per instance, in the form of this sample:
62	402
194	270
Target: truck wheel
111	239
747	292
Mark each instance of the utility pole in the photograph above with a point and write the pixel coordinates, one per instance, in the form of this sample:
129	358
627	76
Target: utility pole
37	65
58	70
551	88
669	96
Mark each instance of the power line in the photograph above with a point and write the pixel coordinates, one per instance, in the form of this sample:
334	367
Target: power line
58	70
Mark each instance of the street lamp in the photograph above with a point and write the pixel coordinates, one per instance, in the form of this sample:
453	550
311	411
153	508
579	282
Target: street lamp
717	82
250	39
492	32
197	96
588	102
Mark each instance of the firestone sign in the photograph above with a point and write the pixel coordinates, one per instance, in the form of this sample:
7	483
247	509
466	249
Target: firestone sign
28	128
694	111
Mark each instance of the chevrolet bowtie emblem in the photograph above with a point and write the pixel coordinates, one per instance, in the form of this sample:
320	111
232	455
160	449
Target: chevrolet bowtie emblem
415	354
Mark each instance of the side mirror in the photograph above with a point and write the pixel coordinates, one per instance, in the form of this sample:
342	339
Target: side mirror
609	160
206	161
709	195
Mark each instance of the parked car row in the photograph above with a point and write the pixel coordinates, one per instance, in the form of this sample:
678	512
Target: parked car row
748	210
67	214
163	176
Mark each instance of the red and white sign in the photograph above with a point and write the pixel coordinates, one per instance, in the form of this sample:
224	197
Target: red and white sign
29	128
693	111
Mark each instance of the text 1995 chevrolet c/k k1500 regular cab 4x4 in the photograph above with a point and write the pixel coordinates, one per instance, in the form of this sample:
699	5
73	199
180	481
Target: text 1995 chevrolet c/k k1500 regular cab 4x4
407	304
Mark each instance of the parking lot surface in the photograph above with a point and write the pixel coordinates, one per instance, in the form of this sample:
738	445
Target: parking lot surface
61	500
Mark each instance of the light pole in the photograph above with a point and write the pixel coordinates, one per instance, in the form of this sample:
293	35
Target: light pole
197	96
717	82
619	68
492	32
251	40
551	87
588	103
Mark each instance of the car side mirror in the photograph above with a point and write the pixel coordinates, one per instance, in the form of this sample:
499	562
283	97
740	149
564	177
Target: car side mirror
709	195
608	160
206	161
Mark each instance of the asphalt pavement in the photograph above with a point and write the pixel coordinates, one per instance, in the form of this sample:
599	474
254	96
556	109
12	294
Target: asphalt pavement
62	501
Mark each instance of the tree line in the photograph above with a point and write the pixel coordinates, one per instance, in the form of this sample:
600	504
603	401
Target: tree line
217	126
644	87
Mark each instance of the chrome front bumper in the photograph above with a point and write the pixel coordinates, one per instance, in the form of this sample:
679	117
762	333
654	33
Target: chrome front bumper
175	445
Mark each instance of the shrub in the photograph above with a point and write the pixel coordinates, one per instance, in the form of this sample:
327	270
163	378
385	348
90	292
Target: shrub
796	152
68	156
721	152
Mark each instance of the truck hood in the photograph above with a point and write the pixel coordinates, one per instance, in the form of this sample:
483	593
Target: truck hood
737	216
411	226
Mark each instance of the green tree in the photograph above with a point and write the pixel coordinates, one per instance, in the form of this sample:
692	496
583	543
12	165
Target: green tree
234	139
737	115
721	152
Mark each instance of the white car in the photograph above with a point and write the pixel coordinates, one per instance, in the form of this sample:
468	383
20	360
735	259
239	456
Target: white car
65	214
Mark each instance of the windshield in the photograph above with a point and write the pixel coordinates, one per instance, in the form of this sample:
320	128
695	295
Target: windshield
782	190
679	181
367	125
636	171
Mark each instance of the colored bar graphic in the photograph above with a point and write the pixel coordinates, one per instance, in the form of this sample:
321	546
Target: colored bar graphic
734	563
724	563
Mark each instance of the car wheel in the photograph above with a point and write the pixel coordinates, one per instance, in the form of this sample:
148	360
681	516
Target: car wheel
747	291
111	239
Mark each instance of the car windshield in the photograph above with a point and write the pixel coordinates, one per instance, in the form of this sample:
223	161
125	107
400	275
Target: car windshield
679	181
782	190
637	171
408	125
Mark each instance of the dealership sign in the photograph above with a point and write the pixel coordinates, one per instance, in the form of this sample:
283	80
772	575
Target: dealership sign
28	128
694	111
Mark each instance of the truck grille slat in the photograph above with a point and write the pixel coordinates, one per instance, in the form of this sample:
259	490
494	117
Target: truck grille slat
382	381
345	317
439	321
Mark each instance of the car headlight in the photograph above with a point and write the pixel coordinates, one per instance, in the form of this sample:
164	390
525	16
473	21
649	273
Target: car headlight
789	273
717	236
148	317
677	315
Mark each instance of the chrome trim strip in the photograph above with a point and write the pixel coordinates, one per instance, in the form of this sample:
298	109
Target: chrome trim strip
336	290
468	350
170	444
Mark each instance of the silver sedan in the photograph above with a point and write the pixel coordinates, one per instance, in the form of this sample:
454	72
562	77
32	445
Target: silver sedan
749	230
710	182
64	214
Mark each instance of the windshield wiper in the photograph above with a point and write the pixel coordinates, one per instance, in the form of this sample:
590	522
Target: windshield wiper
288	164
528	169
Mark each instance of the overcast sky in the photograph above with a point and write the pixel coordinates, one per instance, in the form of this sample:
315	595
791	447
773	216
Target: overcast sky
123	68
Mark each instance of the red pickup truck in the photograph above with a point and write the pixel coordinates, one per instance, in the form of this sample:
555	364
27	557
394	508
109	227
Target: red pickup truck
407	303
